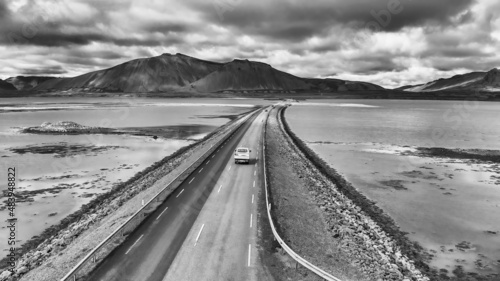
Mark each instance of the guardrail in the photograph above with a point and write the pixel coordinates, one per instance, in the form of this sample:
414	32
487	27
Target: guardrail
85	266
318	271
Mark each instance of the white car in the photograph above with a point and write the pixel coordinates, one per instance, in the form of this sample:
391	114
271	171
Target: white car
242	155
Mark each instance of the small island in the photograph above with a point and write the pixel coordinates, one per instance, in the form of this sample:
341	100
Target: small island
68	127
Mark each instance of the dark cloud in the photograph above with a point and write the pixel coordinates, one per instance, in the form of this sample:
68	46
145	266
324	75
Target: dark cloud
298	20
51	70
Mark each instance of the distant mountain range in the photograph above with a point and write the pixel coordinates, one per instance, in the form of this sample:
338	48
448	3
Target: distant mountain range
181	73
6	86
474	81
23	83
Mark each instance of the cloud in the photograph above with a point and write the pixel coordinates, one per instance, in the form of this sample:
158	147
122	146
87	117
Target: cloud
421	40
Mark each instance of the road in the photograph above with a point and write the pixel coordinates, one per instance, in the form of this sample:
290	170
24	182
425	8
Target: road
206	229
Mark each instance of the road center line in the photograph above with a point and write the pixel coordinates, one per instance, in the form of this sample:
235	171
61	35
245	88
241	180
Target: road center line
249	253
251	219
179	193
200	170
134	244
208	162
253	183
191	180
167	209
255	173
220	187
252	198
199	233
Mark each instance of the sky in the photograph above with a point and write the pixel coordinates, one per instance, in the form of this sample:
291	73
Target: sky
391	43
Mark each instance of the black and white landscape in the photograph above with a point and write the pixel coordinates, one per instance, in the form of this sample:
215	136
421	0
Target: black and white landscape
250	140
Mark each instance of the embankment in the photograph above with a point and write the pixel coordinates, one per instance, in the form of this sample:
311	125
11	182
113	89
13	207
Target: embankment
327	221
52	254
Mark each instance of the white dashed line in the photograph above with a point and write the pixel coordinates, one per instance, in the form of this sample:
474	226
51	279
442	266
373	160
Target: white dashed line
255	164
134	244
191	180
251	219
255	173
199	233
207	162
249	253
253	183
200	170
179	193
167	209
220	187
213	155
252	198
229	167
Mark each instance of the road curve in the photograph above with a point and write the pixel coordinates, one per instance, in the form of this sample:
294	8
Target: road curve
150	250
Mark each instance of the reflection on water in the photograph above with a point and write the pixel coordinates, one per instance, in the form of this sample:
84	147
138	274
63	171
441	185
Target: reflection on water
450	206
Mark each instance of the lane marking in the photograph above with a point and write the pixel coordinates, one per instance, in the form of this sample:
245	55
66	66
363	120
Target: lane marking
191	180
255	164
252	199
164	212
255	173
208	161
200	170
134	244
199	233
251	219
220	187
213	155
179	193
249	253
229	168
253	183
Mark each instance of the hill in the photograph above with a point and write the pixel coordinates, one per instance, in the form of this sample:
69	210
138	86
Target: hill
6	86
162	73
23	83
474	81
183	74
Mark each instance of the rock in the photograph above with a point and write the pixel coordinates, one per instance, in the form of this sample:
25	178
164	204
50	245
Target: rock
22	270
5	274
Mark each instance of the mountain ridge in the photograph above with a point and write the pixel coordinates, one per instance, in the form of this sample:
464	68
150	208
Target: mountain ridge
488	81
182	73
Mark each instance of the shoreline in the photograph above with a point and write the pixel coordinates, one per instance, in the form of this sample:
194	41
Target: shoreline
81	220
410	247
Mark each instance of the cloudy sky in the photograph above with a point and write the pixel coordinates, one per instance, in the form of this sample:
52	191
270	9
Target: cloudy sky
387	42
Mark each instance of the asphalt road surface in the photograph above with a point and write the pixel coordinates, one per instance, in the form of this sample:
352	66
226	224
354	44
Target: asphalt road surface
206	230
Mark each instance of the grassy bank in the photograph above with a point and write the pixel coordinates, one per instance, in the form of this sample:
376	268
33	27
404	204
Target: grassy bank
411	249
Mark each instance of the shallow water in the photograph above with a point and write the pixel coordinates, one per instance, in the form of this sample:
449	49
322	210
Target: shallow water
439	201
82	174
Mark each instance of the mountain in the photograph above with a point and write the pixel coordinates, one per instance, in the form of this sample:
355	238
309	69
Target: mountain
6	86
181	73
27	82
474	81
246	75
162	73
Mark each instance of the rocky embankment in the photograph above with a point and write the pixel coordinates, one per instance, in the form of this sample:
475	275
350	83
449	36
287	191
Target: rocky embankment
53	253
361	248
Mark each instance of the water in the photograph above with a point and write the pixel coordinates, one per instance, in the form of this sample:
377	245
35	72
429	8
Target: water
441	202
86	165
